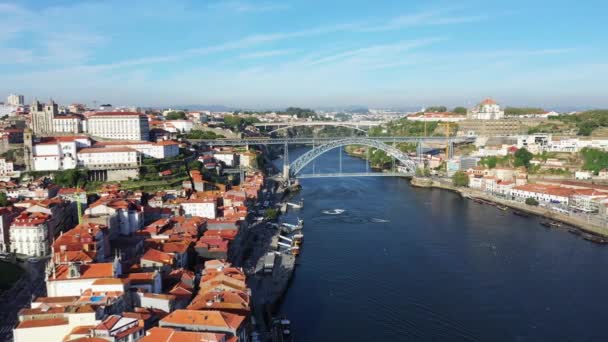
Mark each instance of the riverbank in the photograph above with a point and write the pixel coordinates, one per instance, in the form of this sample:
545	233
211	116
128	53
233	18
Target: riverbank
583	225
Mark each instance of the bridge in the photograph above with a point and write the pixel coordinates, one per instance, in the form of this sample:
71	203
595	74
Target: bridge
357	125
407	165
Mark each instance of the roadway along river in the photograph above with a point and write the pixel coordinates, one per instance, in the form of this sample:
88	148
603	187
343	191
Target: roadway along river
406	264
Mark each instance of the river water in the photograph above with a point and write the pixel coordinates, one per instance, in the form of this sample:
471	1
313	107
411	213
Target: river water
408	264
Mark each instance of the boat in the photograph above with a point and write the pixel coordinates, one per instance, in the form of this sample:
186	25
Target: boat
520	213
333	211
546	224
594	238
477	200
296	205
502	207
554	224
574	231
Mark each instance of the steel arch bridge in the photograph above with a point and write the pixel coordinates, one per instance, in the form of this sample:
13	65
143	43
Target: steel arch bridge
325	124
299	164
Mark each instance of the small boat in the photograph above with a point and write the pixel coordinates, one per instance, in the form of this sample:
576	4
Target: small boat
545	223
520	213
554	224
477	200
502	207
333	211
298	205
594	238
574	231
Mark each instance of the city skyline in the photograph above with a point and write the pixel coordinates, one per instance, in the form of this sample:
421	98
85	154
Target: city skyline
305	53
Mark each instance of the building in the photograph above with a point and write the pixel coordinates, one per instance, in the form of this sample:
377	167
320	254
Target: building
29	234
204	207
437	117
15	100
108	157
157	334
119	125
116	328
207	321
74	278
55	153
7	215
488	109
47	121
544	194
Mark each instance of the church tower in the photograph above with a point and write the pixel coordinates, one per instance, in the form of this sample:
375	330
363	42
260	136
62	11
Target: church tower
28	146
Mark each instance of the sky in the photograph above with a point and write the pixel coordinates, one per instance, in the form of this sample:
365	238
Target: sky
313	53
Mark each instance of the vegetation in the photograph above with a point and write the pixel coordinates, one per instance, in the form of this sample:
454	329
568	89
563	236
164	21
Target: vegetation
176	115
423	172
489	162
460	110
207	135
300	112
4	200
403	127
238	122
594	160
587	121
271	214
523	110
436	109
71	178
531	201
522	158
460	179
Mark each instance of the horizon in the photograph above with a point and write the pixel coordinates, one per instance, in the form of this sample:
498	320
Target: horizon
276	54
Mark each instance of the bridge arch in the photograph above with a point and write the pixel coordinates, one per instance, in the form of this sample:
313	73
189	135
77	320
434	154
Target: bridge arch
299	164
330	124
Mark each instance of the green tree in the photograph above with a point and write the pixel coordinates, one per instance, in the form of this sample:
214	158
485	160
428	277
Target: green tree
523	157
460	179
4	202
460	110
531	201
71	178
271	214
436	109
176	115
594	160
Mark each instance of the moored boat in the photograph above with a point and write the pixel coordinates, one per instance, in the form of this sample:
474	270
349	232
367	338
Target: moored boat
594	238
520	213
502	207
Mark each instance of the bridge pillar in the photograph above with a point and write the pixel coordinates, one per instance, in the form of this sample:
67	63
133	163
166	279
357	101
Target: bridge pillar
286	162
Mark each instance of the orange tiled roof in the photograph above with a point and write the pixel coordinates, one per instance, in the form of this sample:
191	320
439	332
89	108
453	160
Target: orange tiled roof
158	334
204	318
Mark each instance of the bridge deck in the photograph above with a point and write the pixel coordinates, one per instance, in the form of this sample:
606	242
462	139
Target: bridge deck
319	141
353	174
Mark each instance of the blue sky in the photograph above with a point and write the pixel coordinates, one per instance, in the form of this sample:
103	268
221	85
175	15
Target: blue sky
256	53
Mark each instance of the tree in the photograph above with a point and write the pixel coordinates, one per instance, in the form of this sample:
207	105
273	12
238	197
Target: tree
460	110
436	109
423	172
523	157
460	179
195	165
176	115
271	214
4	202
594	160
71	178
531	201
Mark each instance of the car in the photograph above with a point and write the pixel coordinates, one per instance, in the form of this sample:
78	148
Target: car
33	260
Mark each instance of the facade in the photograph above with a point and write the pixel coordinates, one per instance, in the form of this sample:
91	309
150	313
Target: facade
206	208
47	121
29	234
111	157
542	193
437	117
119	125
488	109
56	153
158	150
7	215
15	100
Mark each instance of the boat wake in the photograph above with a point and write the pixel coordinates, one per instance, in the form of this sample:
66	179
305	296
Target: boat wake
333	211
377	220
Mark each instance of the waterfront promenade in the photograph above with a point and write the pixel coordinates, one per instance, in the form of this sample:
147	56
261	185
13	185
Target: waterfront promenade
585	223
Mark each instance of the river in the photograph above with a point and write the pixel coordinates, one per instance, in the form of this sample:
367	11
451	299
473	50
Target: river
405	264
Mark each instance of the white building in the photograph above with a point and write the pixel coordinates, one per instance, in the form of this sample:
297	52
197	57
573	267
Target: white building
72	279
119	125
67	124
542	193
178	126
6	168
228	158
488	109
206	208
109	157
57	153
15	100
29	234
583	175
159	150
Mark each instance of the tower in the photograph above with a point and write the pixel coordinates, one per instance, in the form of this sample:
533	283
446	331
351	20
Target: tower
28	144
